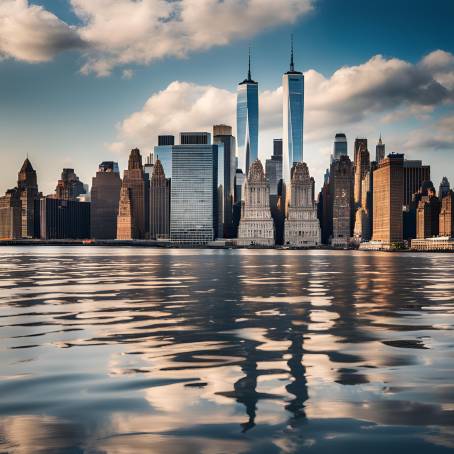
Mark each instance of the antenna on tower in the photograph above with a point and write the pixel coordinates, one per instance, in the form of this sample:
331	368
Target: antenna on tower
292	66
249	65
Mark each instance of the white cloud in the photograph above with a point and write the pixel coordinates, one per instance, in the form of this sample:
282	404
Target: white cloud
121	32
32	34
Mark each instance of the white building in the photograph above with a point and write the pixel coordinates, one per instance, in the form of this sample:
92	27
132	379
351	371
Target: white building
302	227
256	225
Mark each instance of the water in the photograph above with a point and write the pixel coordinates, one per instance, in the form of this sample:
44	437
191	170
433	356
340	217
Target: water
179	351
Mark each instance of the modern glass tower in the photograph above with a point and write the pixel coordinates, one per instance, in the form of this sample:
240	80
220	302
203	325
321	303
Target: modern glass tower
247	121
293	116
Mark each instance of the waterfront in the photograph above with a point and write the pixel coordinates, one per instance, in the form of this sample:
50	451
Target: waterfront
158	350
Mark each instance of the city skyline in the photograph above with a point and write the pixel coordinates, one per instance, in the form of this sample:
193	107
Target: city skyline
70	118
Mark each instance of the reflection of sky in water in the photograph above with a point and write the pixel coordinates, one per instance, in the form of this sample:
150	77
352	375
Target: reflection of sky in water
141	350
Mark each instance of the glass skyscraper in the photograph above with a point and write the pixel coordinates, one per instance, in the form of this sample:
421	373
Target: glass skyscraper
194	199
293	116
340	146
247	121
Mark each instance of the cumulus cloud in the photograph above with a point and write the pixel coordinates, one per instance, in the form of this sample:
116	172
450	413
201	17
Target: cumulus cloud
30	33
121	32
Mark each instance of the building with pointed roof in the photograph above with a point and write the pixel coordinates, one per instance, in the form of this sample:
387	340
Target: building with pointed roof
256	224
159	203
302	227
247	121
27	185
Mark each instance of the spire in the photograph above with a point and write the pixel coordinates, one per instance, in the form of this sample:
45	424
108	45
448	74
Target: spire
249	66
292	66
379	140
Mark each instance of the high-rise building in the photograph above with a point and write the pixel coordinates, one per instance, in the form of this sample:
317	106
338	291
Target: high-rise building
163	152
159	203
195	138
256	224
341	182
247	121
222	134
105	197
137	182
273	168
64	219
10	215
293	118
69	187
302	227
362	167
428	216
360	143
445	187
324	210
388	200
446	222
340	146
193	213
28	191
125	222
414	175
379	151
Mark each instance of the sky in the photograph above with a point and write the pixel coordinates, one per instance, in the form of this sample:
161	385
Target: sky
84	81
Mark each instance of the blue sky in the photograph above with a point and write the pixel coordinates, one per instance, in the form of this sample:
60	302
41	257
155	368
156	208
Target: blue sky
68	99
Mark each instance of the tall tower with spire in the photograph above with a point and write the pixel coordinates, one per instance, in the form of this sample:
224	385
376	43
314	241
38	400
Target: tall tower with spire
293	120
380	151
247	120
28	189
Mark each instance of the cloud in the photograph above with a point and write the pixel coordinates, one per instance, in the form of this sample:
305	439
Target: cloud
122	32
30	33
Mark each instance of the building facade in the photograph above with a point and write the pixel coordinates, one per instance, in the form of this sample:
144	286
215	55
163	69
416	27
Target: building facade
10	215
362	167
27	185
341	183
388	200
428	216
256	224
415	174
126	228
194	200
302	227
293	122
69	187
445	187
247	121
159	203
137	182
222	134
64	219
446	222
340	146
105	198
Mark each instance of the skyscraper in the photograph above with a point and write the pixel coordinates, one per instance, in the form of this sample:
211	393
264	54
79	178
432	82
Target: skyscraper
446	223
293	118
222	134
379	151
415	174
69	187
125	221
159	203
10	215
428	215
388	200
302	227
193	212
445	187
137	182
247	121
105	197
340	146
256	224
28	191
163	152
362	167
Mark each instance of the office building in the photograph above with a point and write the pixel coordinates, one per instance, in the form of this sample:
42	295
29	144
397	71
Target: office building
446	222
410	211
256	224
388	200
273	167
340	146
362	167
293	118
63	219
69	187
163	152
247	121
379	151
10	215
415	174
302	227
138	184
195	138
159	203
222	134
28	191
166	140
428	216
105	197
126	227
193	214
445	187
324	210
341	183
